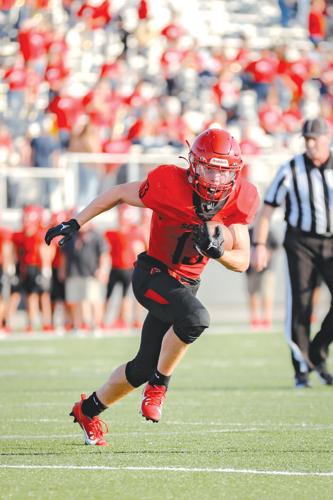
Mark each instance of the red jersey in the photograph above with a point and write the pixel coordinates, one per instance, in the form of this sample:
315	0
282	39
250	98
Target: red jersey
67	110
123	253
32	43
169	194
28	248
16	78
264	69
96	16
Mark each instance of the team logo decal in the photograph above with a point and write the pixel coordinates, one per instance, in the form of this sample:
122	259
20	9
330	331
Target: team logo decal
143	189
219	161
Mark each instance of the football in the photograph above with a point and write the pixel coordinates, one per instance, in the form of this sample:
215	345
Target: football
227	234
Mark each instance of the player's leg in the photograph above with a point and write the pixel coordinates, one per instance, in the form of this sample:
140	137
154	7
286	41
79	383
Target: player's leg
123	380
131	375
172	351
174	304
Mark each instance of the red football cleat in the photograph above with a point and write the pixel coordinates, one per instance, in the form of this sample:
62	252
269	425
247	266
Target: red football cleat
92	427
152	402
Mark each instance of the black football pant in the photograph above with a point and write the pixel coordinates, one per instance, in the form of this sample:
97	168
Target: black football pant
306	255
169	303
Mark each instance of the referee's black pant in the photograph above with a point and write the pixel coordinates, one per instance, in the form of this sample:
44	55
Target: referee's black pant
307	254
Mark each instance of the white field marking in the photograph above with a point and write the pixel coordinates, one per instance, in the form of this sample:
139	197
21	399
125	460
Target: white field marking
262	425
152	433
171	469
270	426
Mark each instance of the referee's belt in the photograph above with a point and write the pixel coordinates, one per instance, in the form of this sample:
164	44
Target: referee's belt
311	234
155	266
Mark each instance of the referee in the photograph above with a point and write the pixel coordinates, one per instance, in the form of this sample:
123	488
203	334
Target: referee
305	186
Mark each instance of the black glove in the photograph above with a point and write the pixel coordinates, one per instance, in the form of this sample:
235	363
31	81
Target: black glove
211	246
66	229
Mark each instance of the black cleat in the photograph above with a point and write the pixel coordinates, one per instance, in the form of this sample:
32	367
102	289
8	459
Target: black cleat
302	381
324	375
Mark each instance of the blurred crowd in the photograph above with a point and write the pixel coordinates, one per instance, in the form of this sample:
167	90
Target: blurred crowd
70	288
102	76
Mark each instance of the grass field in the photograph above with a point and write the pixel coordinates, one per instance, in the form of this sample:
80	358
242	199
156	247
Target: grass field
233	425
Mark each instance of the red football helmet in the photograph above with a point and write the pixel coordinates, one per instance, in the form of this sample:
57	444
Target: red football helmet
215	163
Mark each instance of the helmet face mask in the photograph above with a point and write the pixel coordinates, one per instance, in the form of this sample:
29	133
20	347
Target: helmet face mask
215	164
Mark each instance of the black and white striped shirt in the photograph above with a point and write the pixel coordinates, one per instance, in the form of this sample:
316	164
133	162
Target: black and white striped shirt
307	193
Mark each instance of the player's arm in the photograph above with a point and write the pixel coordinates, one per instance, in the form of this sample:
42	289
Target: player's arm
260	256
122	193
237	259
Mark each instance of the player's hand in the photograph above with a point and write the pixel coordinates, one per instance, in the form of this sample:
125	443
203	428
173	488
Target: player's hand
210	245
66	229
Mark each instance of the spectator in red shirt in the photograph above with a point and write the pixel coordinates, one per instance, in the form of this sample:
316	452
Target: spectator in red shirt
101	103
56	73
292	119
227	92
16	77
95	13
171	62
260	73
294	69
32	41
316	22
67	109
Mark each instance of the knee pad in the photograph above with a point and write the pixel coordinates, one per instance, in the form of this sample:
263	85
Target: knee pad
188	329
137	373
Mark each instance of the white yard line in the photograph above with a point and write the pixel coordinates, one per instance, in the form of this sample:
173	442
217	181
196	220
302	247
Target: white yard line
34	437
268	426
170	469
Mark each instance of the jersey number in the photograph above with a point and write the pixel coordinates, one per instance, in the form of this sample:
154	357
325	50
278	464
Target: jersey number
177	255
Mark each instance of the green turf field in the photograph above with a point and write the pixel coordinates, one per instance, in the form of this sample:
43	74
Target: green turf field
233	425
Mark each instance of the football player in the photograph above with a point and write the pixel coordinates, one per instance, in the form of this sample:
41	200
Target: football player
167	277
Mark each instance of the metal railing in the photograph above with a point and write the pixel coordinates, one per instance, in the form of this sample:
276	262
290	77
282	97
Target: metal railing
81	176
